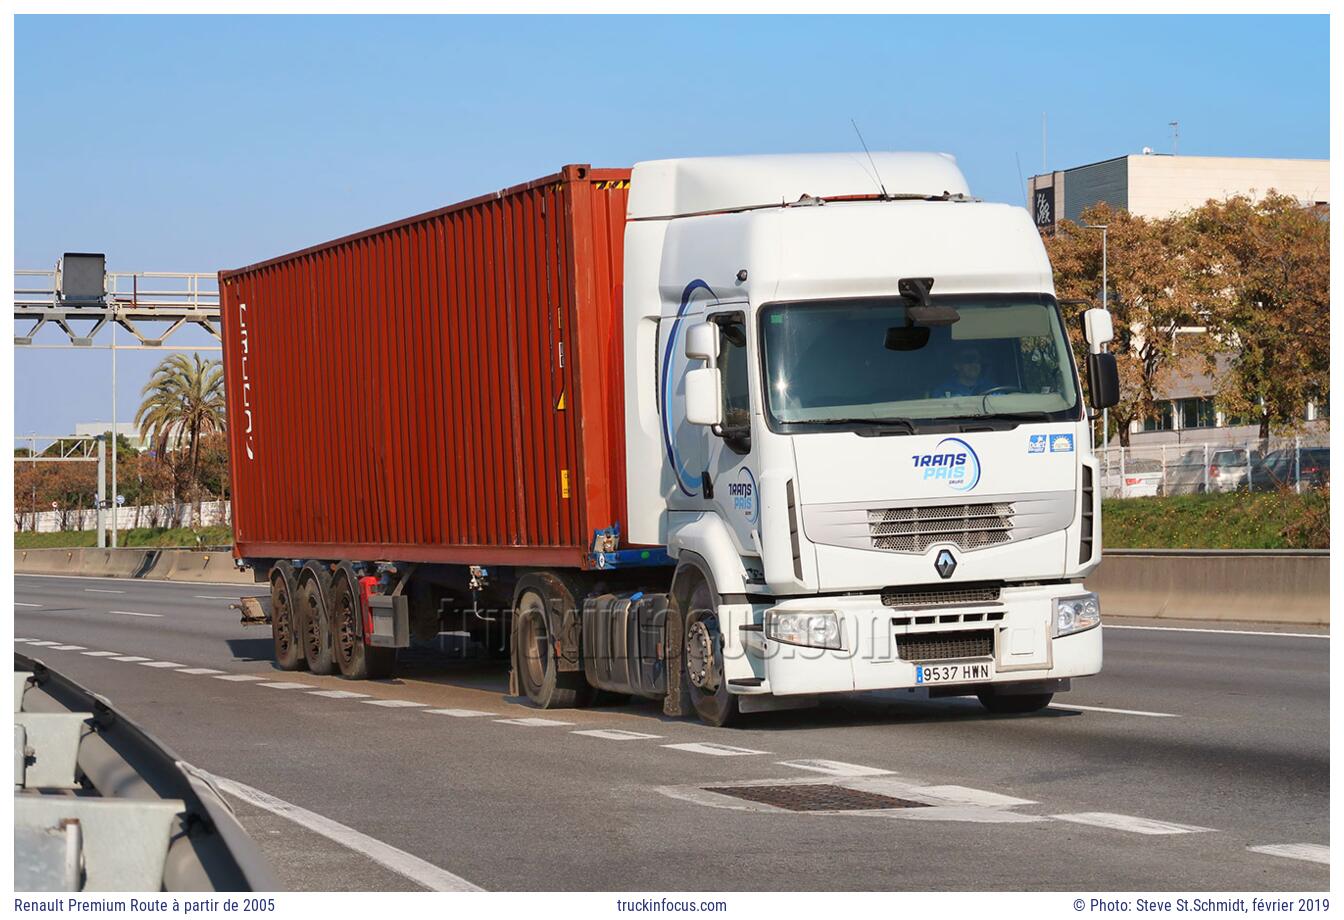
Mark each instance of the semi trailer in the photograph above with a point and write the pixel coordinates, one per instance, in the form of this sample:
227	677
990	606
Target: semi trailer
731	433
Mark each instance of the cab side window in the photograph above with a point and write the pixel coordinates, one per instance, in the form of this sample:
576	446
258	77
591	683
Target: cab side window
733	376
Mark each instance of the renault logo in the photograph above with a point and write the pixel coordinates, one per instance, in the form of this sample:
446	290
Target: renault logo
946	564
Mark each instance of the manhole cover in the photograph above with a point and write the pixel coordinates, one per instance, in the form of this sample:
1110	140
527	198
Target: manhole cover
814	797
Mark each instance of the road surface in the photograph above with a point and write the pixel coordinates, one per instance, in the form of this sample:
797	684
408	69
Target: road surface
1199	760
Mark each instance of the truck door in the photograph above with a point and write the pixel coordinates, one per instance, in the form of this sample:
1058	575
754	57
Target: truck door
730	467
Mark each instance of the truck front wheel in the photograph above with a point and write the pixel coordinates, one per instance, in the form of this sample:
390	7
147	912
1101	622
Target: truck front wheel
702	661
534	659
1016	704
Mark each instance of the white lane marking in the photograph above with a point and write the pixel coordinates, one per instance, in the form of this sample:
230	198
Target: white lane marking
1123	712
41	642
458	713
236	677
147	582
964	795
1311	852
217	597
199	671
398	861
132	613
102	591
25	640
70	648
101	654
1130	823
161	664
130	658
534	722
338	694
716	750
286	685
1223	632
391	704
614	734
21	604
834	768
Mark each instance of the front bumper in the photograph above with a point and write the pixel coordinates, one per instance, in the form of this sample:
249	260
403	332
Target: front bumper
1012	637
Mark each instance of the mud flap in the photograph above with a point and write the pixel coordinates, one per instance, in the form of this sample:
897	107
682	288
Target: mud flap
677	700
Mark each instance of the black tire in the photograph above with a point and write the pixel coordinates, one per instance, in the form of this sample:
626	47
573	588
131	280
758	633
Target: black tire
1014	705
354	659
702	659
284	630
534	659
315	622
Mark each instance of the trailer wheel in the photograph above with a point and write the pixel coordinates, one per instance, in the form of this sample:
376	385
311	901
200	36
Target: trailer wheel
284	631
314	620
355	659
1014	705
534	658
702	662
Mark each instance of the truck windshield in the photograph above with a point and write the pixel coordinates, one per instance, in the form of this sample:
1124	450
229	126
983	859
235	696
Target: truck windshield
867	361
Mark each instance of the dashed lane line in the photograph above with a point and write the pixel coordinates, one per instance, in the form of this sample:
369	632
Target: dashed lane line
533	722
161	664
835	768
21	604
614	734
1222	632
1130	823
136	613
130	658
286	685
101	654
1311	852
714	750
337	694
237	677
398	861
216	597
40	642
1124	712
392	704
459	713
69	648
199	671
102	591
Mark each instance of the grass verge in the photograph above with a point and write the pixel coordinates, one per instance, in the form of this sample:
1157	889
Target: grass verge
1230	520
180	537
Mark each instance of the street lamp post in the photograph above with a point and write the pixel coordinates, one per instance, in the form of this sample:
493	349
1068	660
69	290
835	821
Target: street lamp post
1105	413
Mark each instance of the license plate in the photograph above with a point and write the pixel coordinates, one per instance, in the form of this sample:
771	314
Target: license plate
959	673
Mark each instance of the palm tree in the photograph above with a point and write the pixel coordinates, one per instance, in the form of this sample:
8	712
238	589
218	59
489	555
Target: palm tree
184	400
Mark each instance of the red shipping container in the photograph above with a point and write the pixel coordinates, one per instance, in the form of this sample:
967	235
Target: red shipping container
447	388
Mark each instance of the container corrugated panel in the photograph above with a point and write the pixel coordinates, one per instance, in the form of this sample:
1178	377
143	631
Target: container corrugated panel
447	388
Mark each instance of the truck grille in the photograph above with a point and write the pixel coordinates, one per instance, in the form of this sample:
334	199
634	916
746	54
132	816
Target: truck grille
946	646
939	597
913	530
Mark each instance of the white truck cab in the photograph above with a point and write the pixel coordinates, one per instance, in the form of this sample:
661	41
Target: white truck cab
854	419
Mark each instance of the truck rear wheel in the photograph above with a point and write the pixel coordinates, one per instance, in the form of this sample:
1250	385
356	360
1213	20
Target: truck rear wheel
1014	705
314	620
702	662
284	631
355	659
534	658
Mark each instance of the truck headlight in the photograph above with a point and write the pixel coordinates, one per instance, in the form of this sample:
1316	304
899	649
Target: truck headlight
813	628
1075	614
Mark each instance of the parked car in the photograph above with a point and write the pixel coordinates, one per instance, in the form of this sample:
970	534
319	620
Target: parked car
1228	468
1142	479
1279	469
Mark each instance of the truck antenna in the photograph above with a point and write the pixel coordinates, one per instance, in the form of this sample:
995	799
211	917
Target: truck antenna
871	162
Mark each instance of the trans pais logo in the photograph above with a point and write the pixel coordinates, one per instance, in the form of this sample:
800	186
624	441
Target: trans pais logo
742	493
953	462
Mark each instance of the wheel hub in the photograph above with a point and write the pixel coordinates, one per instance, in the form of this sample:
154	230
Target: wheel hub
700	657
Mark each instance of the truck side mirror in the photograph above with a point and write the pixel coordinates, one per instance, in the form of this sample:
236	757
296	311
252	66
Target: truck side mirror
703	401
702	343
1103	380
1098	328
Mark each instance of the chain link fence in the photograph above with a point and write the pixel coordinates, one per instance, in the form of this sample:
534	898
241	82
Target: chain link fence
1296	463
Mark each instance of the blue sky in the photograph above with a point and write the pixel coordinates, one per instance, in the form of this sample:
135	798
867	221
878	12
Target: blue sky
198	143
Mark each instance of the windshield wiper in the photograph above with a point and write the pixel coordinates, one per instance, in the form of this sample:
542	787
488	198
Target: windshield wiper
877	422
1031	415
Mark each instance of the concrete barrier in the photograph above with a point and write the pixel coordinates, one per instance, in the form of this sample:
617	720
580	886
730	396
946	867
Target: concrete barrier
151	564
1267	586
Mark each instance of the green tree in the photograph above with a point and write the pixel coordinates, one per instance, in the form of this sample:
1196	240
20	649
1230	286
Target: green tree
184	401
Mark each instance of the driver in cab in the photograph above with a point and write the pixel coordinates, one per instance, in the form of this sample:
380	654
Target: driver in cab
967	378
